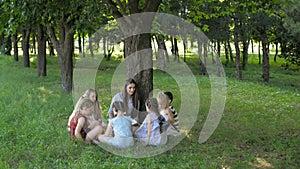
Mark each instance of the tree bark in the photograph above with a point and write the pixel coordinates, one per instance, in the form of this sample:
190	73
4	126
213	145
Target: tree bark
276	52
245	54
161	52
139	64
201	63
266	63
25	47
176	52
259	55
237	49
104	47
230	51
51	48
41	58
79	42
16	51
65	48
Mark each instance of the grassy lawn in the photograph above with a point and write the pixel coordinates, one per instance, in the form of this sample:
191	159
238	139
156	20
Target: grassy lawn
259	128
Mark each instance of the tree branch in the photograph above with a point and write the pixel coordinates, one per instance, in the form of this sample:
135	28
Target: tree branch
116	13
133	6
152	5
51	33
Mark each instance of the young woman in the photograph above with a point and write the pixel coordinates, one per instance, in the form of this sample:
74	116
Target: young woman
129	97
121	126
149	131
82	126
97	114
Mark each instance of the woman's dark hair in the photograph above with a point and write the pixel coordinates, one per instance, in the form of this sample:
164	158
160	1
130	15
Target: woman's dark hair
126	97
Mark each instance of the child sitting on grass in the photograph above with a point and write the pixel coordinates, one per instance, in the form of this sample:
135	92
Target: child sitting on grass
120	126
82	126
170	120
149	131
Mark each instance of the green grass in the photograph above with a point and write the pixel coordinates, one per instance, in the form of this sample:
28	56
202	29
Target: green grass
259	128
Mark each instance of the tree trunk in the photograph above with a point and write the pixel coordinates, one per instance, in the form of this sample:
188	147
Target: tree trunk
6	46
83	45
259	56
276	52
51	48
245	54
79	42
176	52
16	51
41	58
237	49
252	46
140	65
65	47
230	51
91	46
184	48
205	52
1	42
201	63
219	48
226	53
166	52
104	47
33	46
266	63
161	53
25	47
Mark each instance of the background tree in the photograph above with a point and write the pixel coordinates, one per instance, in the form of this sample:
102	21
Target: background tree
291	41
137	47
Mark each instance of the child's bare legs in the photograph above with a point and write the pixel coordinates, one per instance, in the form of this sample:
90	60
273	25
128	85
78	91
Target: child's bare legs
108	134
93	134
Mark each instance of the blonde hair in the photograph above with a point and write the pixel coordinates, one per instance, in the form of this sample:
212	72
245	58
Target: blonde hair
163	100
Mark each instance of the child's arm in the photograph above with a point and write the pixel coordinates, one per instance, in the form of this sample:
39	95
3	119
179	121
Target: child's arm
149	130
171	117
79	126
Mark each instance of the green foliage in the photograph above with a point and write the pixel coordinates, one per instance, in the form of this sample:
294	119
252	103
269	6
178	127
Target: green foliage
259	128
291	40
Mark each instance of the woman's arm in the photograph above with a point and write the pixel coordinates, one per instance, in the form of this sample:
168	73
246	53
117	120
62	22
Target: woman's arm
79	126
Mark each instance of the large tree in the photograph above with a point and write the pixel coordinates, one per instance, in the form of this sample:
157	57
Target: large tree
137	50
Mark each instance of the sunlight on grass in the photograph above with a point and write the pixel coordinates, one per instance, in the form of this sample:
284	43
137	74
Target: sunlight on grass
261	163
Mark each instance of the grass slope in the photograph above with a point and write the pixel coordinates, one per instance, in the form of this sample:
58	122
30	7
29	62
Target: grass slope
259	127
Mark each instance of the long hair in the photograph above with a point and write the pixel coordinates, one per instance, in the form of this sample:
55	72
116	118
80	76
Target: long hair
152	104
86	95
126	97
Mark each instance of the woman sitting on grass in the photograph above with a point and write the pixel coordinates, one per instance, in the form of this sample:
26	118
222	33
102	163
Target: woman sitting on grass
129	97
149	131
121	126
82	126
97	115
